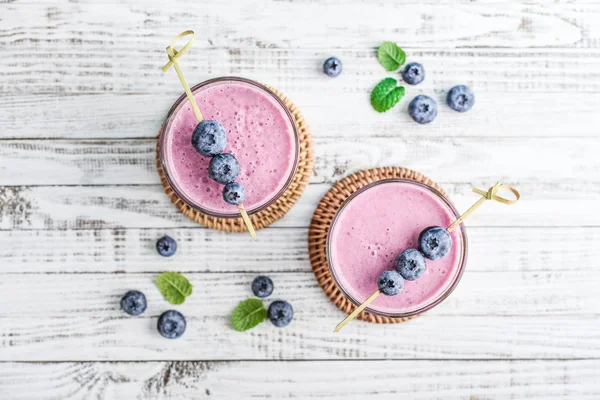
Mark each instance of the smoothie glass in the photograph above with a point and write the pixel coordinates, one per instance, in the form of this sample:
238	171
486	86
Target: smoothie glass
262	135
359	247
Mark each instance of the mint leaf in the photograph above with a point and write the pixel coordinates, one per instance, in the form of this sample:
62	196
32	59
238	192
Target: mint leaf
386	94
174	287
390	56
248	314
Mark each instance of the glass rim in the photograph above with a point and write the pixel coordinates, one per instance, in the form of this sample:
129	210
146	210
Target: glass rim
437	300
236	213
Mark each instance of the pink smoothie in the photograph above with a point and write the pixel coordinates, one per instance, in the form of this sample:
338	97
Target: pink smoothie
260	135
379	224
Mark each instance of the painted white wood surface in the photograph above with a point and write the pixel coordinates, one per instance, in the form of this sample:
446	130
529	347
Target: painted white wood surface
82	99
414	379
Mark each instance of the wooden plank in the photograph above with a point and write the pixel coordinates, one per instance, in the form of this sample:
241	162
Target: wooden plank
109	162
119	116
277	250
72	162
310	336
415	379
456	23
107	207
51	66
44	298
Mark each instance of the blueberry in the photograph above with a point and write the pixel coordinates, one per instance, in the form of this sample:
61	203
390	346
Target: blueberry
390	282
422	109
262	286
223	168
413	73
460	98
234	193
209	138
332	67
280	313
134	302
166	246
171	324
435	242
411	264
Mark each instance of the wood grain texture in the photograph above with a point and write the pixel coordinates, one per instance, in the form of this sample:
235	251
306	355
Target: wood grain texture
419	380
103	251
146	206
497	114
468	159
97	296
310	336
451	24
113	67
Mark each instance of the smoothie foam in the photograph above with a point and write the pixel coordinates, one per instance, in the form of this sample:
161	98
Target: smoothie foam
259	134
379	224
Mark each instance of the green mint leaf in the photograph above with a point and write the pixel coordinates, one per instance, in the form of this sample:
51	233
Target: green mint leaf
248	314
174	287
390	56
386	95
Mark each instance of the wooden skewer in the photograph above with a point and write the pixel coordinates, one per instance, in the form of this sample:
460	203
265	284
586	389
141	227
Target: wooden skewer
490	194
174	56
357	311
247	221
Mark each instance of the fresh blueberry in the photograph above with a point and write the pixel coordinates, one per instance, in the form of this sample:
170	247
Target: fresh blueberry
411	264
435	242
422	109
171	324
209	138
280	313
332	67
134	302
234	193
166	246
262	286
460	98
390	282
413	73
223	168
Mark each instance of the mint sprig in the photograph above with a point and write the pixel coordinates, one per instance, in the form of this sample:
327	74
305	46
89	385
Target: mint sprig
386	94
390	56
248	314
174	287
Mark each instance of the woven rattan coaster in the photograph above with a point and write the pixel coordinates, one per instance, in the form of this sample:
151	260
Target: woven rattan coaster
276	210
321	222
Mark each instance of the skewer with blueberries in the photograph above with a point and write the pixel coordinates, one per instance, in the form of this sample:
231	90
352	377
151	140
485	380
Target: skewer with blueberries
210	139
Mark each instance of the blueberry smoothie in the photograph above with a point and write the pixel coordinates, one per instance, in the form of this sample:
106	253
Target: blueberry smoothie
261	135
375	226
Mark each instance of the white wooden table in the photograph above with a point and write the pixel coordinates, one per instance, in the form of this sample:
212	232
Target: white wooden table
81	206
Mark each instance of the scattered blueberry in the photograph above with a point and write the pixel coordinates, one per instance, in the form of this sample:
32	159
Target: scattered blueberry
390	283
262	286
460	98
280	313
411	264
422	109
209	138
332	67
223	168
435	242
134	302
234	193
166	246
413	73
171	324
